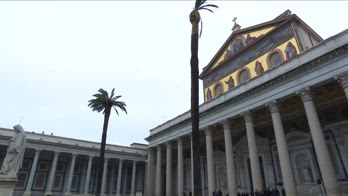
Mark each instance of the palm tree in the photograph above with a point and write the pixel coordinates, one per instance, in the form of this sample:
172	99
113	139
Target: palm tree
195	18
102	102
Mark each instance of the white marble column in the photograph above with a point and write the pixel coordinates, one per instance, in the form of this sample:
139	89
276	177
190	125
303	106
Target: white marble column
169	169
158	191
343	81
253	152
32	173
71	174
134	170
102	190
323	156
88	175
180	168
210	161
150	172
119	178
283	153
52	174
231	174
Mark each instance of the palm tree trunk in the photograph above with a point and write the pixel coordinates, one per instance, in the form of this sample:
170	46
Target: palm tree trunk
102	150
195	105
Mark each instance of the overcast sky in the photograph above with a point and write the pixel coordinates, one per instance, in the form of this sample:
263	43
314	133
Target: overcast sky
55	55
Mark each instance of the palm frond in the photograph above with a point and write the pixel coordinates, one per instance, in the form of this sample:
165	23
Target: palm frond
204	8
201	30
102	100
199	3
208	5
112	93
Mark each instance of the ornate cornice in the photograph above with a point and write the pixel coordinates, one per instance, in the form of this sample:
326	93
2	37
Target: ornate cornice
342	79
305	94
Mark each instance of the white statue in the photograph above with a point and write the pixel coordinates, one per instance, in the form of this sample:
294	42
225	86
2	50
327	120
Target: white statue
15	153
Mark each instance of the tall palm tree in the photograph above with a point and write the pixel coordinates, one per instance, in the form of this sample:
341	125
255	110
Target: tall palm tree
102	102
195	18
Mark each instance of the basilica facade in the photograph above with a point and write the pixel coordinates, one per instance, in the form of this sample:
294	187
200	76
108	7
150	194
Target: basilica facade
274	117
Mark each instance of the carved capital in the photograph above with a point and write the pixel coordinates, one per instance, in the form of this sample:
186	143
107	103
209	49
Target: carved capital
342	79
208	131
90	157
273	106
169	144
74	155
226	124
305	94
247	116
179	140
159	147
56	153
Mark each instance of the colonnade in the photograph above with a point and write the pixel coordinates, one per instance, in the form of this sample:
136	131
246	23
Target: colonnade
325	164
70	173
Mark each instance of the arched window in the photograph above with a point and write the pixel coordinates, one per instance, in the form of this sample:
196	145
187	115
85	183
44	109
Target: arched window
209	96
258	68
290	51
275	59
243	76
218	90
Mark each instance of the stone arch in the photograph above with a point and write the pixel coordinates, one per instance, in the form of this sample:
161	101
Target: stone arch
246	77
275	58
218	89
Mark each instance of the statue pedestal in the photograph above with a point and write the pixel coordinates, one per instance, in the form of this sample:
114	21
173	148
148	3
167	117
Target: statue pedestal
7	185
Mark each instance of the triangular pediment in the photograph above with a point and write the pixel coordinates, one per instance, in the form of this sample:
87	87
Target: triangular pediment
241	39
238	43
